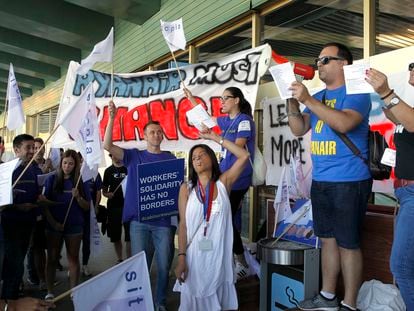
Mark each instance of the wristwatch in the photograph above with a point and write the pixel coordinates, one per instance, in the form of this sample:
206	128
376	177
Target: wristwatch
395	100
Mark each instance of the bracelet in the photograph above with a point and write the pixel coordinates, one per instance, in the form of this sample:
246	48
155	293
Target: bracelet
294	114
388	94
181	254
221	141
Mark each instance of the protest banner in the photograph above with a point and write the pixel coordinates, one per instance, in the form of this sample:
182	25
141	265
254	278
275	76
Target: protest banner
279	143
158	187
144	96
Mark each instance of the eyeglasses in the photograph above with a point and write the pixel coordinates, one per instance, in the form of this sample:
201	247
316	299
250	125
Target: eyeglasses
224	98
410	66
326	59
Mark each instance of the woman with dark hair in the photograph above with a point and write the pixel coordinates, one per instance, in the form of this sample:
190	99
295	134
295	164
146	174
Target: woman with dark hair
60	188
238	127
205	259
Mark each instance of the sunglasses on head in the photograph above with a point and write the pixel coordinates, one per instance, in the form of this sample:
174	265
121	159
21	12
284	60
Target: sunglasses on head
410	66
326	59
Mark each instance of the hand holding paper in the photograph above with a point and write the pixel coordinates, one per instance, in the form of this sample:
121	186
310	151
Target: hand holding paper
283	77
199	116
355	79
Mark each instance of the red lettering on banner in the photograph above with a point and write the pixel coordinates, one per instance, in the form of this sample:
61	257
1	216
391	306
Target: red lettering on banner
164	112
129	124
135	119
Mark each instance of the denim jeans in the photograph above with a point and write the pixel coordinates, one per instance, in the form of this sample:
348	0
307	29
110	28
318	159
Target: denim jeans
402	254
146	238
16	243
338	210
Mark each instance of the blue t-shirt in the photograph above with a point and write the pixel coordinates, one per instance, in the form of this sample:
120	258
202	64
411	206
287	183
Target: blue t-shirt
133	157
26	191
242	126
332	159
58	211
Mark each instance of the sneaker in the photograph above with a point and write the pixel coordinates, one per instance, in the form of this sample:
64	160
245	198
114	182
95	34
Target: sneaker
319	303
345	308
85	271
49	296
241	271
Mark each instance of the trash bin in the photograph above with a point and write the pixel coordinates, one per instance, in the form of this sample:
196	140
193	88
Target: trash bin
289	273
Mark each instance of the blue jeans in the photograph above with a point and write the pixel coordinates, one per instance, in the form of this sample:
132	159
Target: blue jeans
402	254
146	238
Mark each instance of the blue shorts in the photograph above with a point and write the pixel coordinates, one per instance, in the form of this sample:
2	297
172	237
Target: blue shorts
339	209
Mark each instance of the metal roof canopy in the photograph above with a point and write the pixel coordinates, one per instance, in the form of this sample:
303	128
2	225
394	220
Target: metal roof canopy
41	37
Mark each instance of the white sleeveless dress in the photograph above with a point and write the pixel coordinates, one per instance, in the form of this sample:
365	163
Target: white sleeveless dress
210	282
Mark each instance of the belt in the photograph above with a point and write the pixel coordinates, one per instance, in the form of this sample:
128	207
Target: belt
402	183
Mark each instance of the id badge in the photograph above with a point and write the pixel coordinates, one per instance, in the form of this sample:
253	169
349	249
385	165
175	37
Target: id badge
205	244
388	158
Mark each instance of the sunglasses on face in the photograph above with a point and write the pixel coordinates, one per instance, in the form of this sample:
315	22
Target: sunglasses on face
326	59
224	98
410	66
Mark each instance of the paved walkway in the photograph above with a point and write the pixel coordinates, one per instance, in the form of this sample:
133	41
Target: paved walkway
108	258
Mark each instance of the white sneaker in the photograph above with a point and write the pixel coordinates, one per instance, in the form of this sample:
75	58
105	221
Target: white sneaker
49	296
241	271
85	271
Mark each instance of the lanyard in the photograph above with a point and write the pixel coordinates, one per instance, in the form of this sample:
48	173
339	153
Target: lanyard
205	196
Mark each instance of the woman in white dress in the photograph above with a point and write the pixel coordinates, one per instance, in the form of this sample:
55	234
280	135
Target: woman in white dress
205	273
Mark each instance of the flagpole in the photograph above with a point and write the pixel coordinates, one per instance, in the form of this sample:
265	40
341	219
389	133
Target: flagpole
5	112
71	200
178	69
117	187
289	226
112	80
63	295
34	156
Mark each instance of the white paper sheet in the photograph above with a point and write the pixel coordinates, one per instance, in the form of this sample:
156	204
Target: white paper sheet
198	116
283	77
355	79
6	173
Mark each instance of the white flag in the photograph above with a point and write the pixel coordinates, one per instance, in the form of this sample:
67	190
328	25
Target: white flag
173	33
15	115
72	121
281	204
95	233
91	145
102	52
305	210
125	286
88	173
